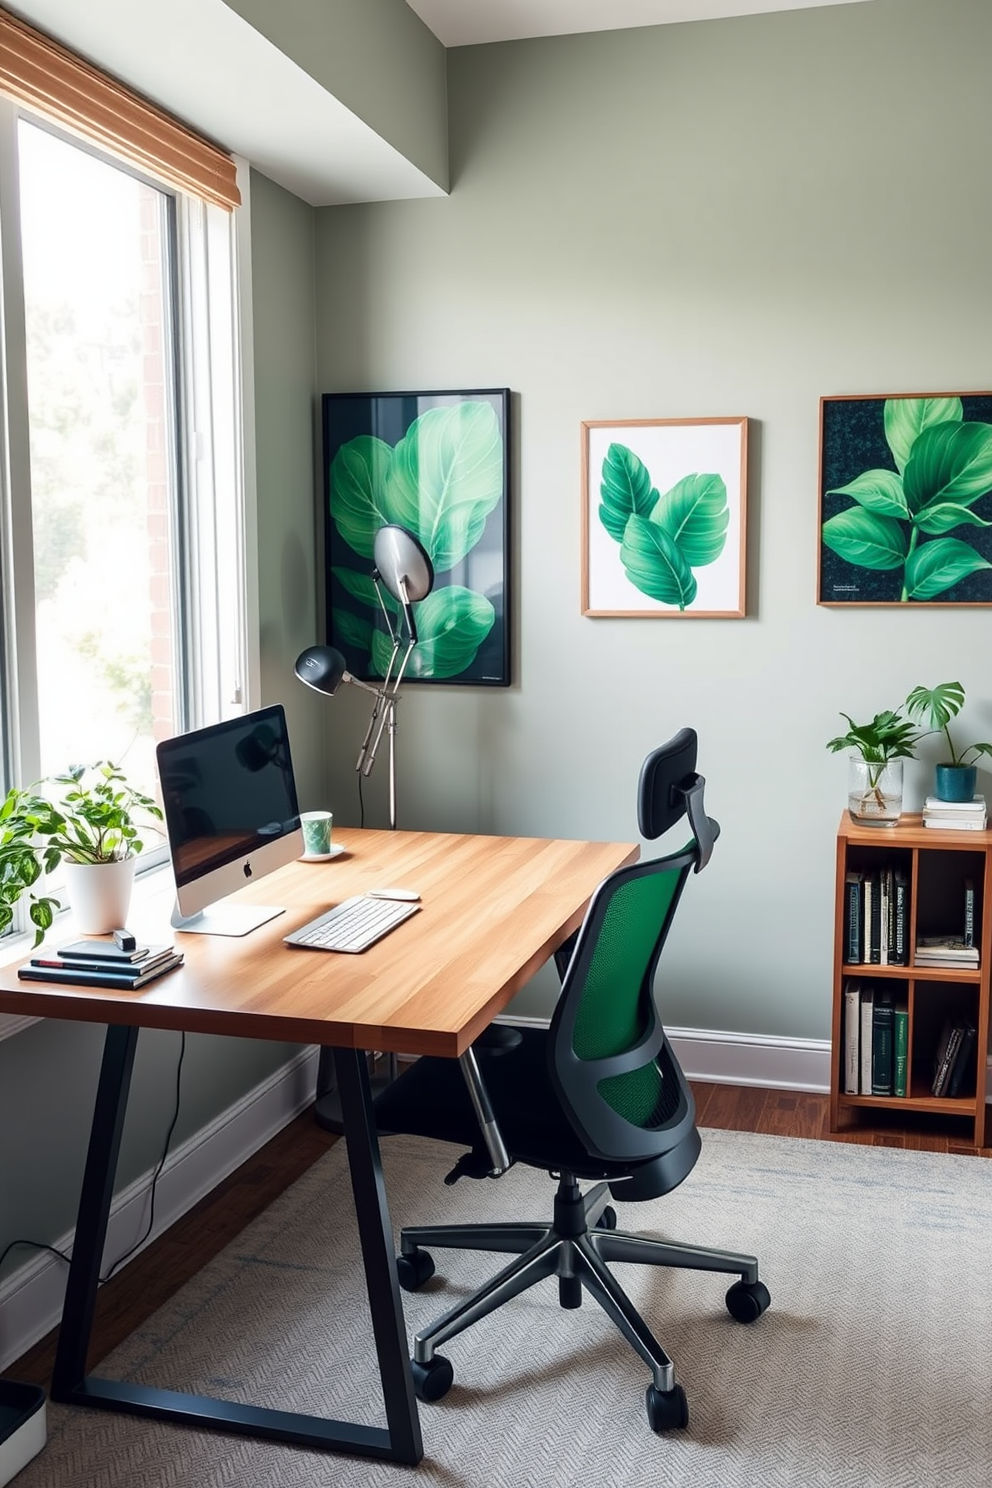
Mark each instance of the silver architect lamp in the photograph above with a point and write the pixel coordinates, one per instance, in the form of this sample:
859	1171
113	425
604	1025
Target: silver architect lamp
403	568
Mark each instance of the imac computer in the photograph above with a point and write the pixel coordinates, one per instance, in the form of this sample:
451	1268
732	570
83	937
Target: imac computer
231	815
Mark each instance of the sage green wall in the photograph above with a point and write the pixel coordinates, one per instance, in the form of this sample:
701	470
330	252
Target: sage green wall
718	218
377	58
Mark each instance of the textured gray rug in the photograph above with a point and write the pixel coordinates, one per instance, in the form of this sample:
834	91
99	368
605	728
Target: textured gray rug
873	1366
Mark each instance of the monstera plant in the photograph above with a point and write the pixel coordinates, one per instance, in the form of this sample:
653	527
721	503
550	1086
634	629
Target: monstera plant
901	520
440	481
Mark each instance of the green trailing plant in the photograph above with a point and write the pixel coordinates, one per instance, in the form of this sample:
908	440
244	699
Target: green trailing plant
440	482
89	817
662	538
887	737
936	706
901	518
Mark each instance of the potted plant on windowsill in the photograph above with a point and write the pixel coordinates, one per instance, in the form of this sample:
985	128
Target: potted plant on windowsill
955	777
87	822
876	752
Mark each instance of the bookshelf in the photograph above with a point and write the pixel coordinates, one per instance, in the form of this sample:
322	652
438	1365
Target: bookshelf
935	866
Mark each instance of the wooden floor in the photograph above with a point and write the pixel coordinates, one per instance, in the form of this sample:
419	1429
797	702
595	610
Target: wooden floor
142	1286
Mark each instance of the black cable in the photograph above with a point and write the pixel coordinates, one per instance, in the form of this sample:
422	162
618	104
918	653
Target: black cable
67	1256
158	1171
361	802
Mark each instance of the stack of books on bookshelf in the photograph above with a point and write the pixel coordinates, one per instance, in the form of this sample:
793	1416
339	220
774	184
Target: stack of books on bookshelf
954	1062
876	917
101	963
876	1040
955	816
946	950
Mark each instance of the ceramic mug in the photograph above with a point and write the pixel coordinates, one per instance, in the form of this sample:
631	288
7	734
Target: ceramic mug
316	833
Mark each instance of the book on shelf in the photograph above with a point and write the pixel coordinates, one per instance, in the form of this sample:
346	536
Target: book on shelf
961	1079
974	807
853	917
954	824
867	1016
900	929
882	1048
852	1036
948	1045
129	976
946	950
969	912
900	1047
873	920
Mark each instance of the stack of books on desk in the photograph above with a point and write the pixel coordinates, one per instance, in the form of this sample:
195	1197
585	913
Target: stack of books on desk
100	963
946	950
955	816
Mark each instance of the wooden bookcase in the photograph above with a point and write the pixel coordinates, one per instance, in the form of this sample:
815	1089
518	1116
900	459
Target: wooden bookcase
936	863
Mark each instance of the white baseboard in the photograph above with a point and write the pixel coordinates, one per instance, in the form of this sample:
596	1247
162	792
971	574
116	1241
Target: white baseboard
742	1058
31	1297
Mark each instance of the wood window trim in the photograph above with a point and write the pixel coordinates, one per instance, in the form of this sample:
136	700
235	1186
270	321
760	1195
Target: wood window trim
43	75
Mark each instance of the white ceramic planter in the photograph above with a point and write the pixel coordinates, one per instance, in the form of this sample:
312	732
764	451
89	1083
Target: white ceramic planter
99	894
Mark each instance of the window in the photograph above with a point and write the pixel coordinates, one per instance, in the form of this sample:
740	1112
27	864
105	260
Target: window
121	526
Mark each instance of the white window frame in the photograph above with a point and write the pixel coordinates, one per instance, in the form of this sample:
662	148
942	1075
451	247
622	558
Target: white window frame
219	676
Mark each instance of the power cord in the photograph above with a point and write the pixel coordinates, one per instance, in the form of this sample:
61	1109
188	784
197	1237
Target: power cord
67	1255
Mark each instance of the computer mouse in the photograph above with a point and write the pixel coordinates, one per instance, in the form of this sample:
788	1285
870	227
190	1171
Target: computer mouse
410	894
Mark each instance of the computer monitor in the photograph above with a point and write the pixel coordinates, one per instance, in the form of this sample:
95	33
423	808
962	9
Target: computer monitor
231	815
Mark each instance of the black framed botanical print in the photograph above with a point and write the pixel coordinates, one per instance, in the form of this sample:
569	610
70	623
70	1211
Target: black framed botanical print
906	500
436	464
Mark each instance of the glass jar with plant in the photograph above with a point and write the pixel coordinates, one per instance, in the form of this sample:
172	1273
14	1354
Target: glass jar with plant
85	817
955	777
877	750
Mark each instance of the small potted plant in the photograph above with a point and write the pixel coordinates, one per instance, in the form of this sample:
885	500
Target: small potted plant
955	777
87	822
877	750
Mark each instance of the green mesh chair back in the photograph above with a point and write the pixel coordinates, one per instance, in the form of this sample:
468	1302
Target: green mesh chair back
613	1070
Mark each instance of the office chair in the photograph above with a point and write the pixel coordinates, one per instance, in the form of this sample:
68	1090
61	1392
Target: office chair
598	1096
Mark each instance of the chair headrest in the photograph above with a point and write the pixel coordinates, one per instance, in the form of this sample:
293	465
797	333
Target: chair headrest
669	787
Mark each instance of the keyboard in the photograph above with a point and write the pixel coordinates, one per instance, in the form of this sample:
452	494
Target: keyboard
353	925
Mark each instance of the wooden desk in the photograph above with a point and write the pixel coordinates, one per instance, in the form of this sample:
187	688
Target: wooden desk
494	909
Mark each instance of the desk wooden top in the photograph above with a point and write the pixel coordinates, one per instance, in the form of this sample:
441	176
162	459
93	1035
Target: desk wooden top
494	909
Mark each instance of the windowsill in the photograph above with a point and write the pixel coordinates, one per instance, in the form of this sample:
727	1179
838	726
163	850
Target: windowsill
151	884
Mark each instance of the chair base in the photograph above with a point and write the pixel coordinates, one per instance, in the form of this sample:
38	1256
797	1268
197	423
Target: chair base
575	1247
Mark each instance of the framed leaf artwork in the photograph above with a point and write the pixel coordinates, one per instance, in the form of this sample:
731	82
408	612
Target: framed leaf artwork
436	463
663	518
906	500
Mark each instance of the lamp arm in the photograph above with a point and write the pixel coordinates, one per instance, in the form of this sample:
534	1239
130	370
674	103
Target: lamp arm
390	697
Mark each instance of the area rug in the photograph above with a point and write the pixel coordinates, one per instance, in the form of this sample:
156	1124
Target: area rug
872	1367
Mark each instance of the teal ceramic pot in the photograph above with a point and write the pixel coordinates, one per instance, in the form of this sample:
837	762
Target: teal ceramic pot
955	782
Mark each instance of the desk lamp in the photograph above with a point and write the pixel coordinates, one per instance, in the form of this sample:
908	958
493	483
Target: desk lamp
403	568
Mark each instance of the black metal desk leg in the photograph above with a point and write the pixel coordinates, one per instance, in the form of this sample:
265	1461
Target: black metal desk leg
376	1235
94	1210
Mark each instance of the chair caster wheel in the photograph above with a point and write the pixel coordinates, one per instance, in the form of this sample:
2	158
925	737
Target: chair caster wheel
747	1300
414	1269
668	1410
433	1380
608	1219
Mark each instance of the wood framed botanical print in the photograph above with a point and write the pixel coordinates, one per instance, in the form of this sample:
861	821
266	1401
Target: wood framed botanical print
663	518
437	464
905	512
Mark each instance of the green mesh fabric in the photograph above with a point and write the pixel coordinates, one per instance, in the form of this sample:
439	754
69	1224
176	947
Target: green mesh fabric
610	1017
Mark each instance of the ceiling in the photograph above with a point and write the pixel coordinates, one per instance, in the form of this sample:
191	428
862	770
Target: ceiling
468	22
237	88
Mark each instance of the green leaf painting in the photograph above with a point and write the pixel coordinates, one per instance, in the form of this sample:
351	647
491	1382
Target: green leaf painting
666	529
435	464
907	500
